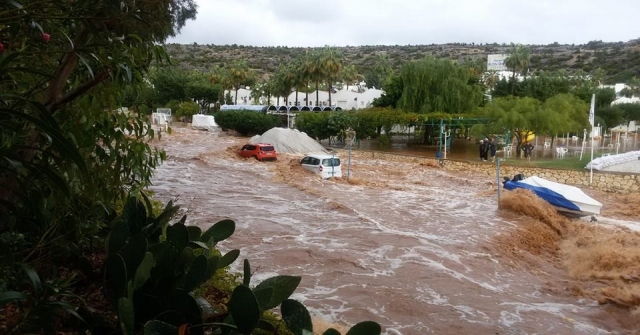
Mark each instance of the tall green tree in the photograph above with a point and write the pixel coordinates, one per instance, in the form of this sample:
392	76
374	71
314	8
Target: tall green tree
438	85
63	68
381	71
563	113
392	93
317	71
350	76
523	116
170	84
239	74
219	76
630	112
331	61
283	82
200	90
518	61
306	69
604	97
300	81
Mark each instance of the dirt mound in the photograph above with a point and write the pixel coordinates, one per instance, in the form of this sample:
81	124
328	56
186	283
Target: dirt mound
527	203
537	237
611	258
289	141
604	261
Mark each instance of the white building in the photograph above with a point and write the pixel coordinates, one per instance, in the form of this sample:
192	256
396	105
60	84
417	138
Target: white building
345	99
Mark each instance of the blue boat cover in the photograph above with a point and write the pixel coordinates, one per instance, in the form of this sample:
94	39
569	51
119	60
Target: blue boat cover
546	194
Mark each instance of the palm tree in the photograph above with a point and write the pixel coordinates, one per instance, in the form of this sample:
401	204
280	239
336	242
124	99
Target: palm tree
518	60
219	76
316	72
634	87
490	80
305	71
239	73
331	63
284	83
350	75
597	76
257	92
298	74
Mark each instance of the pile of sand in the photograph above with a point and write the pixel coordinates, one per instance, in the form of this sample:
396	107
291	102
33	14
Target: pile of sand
288	141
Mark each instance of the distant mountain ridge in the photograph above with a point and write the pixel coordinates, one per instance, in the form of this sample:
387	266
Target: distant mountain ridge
619	60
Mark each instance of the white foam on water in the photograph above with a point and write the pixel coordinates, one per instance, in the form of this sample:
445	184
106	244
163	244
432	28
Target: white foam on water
509	319
615	223
439	266
436	298
556	309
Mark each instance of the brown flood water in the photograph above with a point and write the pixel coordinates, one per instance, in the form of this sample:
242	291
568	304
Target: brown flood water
410	247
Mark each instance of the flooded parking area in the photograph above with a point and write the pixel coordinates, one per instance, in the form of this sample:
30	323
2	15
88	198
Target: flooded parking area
409	246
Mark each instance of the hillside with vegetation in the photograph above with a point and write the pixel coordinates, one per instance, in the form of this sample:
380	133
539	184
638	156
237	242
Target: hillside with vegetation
620	61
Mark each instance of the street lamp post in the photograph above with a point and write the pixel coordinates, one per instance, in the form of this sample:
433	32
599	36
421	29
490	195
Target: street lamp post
351	136
445	135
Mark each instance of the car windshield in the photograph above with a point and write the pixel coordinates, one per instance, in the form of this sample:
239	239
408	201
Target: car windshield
267	148
331	162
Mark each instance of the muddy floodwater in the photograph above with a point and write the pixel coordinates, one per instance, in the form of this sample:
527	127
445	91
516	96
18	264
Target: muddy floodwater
408	246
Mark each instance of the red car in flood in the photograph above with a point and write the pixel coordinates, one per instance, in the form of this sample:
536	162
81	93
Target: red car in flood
260	151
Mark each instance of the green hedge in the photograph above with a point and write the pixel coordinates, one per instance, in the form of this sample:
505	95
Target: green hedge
246	123
367	123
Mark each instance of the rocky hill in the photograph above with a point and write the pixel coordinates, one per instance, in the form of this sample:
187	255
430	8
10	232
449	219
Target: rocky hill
619	60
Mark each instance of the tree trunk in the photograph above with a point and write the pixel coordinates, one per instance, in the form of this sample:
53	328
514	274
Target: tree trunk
278	101
296	97
513	82
236	97
317	94
330	92
306	97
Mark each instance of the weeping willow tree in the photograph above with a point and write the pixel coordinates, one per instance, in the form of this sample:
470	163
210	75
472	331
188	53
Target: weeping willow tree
438	85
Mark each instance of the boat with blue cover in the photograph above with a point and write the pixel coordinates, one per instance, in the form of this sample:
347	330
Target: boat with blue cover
568	200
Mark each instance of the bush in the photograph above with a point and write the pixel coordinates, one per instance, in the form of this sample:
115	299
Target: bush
246	123
154	271
314	124
186	110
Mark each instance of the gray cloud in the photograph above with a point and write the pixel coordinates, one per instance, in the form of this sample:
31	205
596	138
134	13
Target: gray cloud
361	22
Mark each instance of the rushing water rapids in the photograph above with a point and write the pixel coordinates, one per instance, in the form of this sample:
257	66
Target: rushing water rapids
408	246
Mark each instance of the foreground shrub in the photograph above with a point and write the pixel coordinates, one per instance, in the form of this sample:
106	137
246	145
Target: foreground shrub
153	270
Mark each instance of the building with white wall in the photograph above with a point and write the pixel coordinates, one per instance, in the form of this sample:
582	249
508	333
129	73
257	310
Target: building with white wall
345	99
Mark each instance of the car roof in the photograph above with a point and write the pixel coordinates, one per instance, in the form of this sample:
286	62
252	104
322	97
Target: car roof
260	144
321	156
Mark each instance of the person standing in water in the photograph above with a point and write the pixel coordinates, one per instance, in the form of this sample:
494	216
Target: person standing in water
528	149
485	149
480	149
492	149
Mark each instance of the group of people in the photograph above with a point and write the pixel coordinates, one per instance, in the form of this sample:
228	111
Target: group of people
488	147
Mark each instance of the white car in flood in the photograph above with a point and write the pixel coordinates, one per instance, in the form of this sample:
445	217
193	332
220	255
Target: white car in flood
326	165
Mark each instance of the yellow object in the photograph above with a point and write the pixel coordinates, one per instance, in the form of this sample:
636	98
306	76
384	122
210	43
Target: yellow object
528	138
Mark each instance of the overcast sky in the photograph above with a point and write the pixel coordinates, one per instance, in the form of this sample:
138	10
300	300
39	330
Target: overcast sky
402	22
